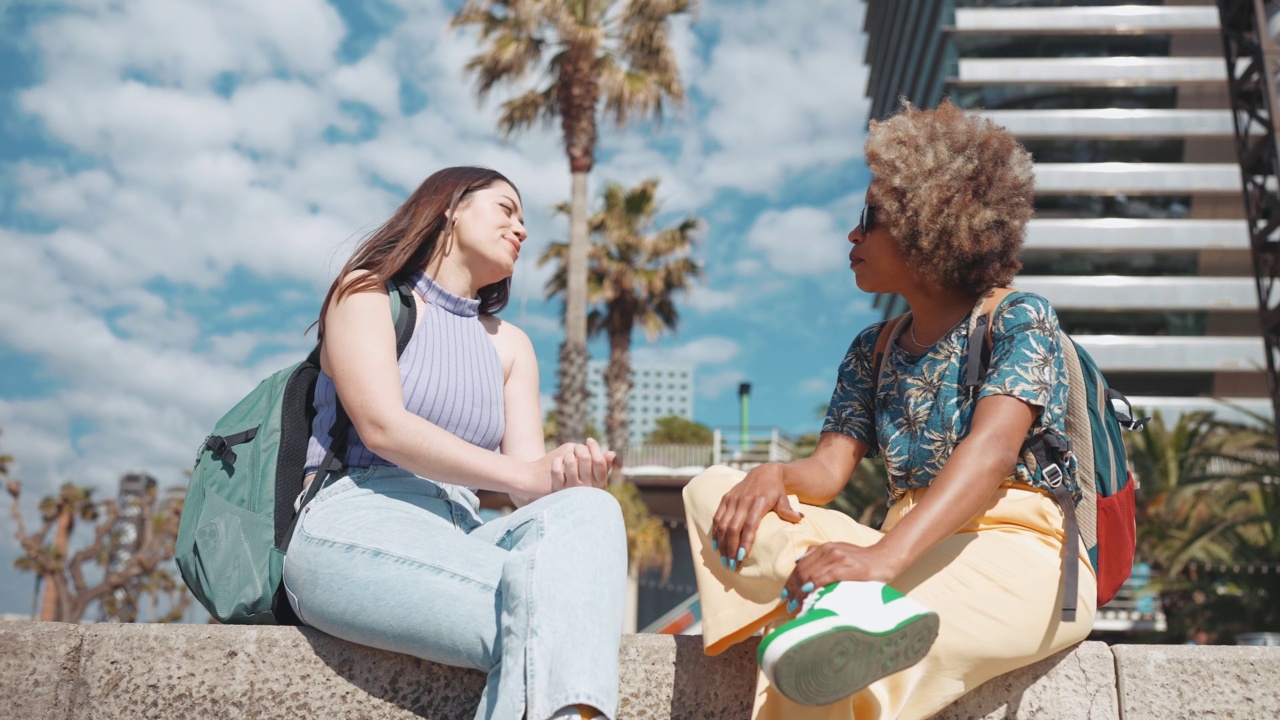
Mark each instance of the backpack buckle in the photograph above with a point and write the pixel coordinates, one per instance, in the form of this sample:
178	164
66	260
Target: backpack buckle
1053	475
220	449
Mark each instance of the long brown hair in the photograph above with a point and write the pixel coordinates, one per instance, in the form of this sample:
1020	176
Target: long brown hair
409	240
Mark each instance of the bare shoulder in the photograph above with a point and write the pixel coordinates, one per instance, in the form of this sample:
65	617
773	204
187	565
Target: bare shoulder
512	343
357	278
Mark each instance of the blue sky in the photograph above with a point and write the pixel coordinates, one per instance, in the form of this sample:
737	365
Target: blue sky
179	180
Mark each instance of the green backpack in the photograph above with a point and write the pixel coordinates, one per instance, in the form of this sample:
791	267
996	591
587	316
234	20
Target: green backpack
239	512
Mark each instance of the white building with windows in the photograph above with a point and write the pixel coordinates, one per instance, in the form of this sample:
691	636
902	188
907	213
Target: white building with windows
1139	240
657	390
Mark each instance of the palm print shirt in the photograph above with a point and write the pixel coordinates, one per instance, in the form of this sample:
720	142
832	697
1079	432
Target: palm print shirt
920	411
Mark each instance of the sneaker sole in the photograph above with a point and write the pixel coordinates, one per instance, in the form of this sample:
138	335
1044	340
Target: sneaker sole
835	663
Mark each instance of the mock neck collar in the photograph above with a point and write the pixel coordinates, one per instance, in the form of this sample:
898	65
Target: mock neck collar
436	295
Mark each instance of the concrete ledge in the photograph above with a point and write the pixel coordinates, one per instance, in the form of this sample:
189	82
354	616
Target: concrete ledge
53	671
1180	681
1075	684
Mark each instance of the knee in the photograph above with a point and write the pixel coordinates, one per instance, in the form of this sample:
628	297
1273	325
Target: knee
592	505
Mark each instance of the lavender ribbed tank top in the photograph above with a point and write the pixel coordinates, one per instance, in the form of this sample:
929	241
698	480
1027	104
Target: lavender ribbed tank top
450	372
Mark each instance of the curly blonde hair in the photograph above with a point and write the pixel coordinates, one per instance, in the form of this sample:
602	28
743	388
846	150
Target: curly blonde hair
955	191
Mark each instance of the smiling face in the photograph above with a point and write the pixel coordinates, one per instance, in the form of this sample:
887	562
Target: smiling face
876	260
488	232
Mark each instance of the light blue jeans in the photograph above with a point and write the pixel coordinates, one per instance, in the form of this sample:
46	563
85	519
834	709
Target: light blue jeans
384	558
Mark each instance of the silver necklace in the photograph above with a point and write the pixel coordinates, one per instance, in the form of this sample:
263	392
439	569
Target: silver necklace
911	330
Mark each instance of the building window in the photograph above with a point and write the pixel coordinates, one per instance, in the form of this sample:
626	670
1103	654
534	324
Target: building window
1083	322
1164	150
1064	97
1117	206
1145	264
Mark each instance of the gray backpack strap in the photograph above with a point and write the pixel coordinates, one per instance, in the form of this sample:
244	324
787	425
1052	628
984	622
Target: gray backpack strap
1046	455
978	355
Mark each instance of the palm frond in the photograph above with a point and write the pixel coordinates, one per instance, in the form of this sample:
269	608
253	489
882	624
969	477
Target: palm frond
524	110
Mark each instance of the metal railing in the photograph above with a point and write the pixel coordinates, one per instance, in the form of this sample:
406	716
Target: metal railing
669	455
727	447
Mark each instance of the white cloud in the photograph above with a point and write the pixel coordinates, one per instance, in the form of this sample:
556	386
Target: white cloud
707	350
705	299
786	91
817	385
715	383
182	184
798	241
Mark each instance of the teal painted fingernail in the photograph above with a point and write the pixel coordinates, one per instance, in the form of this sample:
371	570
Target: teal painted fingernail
715	544
807	587
784	594
733	564
793	606
742	552
724	561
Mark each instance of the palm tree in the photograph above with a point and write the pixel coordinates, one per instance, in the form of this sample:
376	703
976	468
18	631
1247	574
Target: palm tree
1172	466
62	510
610	53
634	273
1209	497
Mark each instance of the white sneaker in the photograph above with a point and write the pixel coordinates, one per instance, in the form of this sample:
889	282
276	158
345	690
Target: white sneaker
848	635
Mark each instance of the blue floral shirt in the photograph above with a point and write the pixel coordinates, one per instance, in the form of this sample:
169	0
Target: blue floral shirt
920	413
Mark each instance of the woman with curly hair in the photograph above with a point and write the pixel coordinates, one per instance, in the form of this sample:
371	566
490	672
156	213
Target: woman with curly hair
965	580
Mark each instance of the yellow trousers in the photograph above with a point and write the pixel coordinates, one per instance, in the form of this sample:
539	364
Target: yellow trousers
996	585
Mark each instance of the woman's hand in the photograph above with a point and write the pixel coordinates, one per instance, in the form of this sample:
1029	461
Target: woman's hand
733	529
835	561
578	465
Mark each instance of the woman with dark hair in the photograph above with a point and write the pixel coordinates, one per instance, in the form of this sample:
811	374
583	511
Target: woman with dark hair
964	581
393	553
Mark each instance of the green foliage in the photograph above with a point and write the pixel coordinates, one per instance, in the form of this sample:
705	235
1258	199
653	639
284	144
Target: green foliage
863	498
648	541
675	430
549	427
1210	498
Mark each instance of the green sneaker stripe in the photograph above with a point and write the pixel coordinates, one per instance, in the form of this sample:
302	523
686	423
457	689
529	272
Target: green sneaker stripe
888	595
811	616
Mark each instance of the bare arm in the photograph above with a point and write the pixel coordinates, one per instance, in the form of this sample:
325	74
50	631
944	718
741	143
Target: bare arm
522	437
359	354
976	468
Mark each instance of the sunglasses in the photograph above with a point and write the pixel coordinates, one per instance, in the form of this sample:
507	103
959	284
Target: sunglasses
868	218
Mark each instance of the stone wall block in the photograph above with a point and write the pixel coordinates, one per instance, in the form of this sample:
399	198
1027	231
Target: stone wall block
39	663
182	672
668	676
1076	684
1224	682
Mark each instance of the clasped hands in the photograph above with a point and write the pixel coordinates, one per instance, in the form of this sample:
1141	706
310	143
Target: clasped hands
763	490
579	465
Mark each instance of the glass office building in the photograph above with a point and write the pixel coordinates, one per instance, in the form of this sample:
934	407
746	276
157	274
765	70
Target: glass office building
1139	239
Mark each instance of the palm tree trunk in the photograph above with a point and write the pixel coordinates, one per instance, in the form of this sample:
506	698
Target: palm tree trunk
617	383
49	611
571	397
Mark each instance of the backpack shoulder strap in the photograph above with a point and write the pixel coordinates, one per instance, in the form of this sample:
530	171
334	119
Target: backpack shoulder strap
404	315
978	355
887	334
404	312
